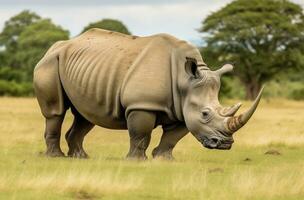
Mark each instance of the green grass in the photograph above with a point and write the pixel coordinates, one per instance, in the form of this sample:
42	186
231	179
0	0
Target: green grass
245	172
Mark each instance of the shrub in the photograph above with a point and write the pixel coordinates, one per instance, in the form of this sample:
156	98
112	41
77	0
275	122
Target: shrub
9	74
297	94
11	88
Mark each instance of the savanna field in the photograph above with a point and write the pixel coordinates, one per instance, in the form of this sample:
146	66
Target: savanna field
266	161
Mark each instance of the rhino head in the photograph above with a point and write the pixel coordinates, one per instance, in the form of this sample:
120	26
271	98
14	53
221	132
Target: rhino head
212	124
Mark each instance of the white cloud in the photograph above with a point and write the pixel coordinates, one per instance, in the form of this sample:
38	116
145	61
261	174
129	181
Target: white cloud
95	2
179	18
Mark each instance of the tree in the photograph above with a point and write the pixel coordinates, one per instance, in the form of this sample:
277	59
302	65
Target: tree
10	34
9	74
2	59
35	40
109	24
262	38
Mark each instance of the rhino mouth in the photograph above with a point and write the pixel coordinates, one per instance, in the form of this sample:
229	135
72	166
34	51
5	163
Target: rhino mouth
216	143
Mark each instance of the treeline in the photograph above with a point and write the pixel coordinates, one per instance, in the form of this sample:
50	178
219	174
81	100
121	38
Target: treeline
264	39
24	39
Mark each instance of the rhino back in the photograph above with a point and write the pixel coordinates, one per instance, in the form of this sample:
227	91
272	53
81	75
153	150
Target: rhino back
106	75
92	72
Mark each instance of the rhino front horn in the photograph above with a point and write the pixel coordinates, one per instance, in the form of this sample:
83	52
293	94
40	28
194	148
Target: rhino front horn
236	122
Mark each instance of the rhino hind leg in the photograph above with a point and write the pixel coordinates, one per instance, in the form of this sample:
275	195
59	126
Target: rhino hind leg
168	141
52	136
76	134
52	102
140	126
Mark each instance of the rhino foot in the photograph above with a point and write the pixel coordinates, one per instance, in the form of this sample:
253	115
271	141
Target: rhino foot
162	154
136	156
54	153
78	154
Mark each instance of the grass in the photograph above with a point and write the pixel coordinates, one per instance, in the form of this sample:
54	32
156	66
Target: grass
245	172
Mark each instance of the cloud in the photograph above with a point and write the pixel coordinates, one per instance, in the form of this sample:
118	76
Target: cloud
94	2
180	18
142	17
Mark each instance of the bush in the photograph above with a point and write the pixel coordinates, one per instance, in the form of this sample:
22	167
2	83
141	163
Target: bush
231	88
9	74
297	94
11	88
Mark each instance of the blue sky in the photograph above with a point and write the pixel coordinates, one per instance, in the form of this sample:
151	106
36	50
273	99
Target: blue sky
177	17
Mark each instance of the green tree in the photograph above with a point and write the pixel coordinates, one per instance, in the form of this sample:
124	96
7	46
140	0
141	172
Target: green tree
11	33
2	58
35	40
109	24
262	38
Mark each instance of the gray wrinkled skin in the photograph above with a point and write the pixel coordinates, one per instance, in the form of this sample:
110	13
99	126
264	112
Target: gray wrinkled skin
137	83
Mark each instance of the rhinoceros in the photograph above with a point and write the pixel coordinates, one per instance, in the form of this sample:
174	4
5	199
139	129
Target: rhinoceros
136	83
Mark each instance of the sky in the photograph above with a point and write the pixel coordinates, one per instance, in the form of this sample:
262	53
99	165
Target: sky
180	18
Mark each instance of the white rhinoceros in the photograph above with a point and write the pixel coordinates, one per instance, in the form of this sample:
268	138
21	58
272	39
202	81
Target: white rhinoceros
119	81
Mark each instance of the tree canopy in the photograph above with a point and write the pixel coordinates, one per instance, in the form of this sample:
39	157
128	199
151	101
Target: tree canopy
10	35
23	41
35	40
109	24
261	37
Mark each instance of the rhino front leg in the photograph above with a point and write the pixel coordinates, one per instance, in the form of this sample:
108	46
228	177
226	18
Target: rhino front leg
140	126
171	135
76	134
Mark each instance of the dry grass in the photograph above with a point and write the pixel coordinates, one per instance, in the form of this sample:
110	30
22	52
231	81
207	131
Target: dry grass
91	182
276	183
245	172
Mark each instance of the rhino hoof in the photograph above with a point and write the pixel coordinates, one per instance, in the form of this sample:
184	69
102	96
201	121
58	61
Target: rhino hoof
78	154
163	155
54	154
136	157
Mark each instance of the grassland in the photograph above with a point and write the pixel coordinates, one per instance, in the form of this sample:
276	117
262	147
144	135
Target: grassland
245	172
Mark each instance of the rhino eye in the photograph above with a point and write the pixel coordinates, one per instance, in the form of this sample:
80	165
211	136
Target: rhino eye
206	115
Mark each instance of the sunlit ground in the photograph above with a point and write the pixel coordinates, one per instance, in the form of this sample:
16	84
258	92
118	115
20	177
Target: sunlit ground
266	161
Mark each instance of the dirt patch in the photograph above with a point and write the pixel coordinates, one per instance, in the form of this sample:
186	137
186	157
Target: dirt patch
247	160
83	195
272	152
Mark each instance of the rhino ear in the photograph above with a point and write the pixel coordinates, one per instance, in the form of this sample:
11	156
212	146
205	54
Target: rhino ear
191	67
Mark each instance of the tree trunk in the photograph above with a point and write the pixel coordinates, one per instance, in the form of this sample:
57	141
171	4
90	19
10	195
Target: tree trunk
252	90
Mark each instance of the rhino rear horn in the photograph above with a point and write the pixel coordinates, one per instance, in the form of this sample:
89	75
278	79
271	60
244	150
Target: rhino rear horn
226	68
230	111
